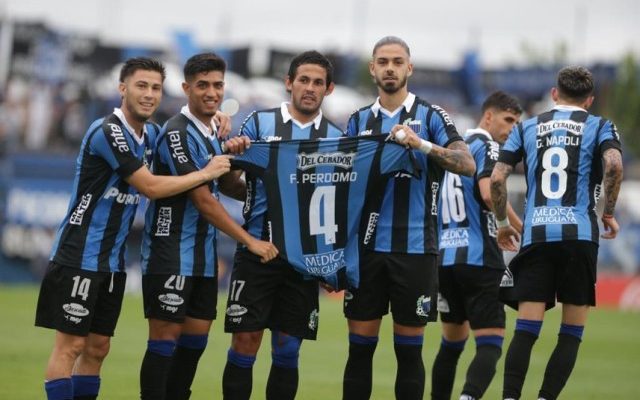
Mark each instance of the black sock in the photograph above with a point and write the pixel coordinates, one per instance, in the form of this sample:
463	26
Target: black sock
237	379
560	366
282	383
182	371
410	375
481	370
357	373
443	372
155	368
517	363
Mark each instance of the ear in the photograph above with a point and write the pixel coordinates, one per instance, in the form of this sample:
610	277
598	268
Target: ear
371	70
330	89
554	94
185	88
410	69
122	88
288	84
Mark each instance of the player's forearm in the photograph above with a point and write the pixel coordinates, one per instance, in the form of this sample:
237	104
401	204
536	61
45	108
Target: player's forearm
217	216
499	189
231	185
514	218
160	186
455	158
612	179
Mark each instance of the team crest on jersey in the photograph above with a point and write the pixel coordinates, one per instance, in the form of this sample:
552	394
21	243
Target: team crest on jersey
414	124
78	213
338	159
313	320
507	279
423	306
118	139
443	304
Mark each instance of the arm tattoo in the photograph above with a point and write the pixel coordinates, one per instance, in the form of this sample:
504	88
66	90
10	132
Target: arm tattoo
499	189
612	179
455	158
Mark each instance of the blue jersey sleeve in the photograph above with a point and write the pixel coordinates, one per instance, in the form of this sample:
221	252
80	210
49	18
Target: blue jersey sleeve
512	151
441	131
249	127
176	149
608	137
111	144
352	125
486	157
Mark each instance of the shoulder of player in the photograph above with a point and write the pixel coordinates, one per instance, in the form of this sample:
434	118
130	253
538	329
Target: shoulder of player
332	129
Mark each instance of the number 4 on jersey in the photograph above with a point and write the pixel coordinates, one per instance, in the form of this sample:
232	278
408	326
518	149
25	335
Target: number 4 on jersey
323	198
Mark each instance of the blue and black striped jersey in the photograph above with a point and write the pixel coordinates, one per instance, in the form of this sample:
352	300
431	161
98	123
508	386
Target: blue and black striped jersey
275	125
466	225
93	234
561	150
316	191
177	240
406	215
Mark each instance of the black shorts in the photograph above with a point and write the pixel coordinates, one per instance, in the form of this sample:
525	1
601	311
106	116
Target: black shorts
80	302
174	297
271	295
409	282
470	293
546	272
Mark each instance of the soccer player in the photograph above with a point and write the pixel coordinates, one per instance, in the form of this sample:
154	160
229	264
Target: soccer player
179	259
275	296
398	266
81	293
565	151
471	264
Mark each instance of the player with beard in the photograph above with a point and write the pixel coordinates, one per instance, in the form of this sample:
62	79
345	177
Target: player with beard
398	267
275	295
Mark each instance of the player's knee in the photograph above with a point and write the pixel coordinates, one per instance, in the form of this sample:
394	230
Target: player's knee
246	342
72	349
285	350
97	349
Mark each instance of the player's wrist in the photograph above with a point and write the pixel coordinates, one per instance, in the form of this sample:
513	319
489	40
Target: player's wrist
607	216
425	146
503	223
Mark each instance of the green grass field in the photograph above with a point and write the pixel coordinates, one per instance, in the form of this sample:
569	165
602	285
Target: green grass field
608	365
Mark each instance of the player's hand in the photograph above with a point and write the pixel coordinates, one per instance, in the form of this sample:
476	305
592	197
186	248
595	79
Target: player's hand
237	145
508	238
265	250
409	138
611	227
223	122
217	166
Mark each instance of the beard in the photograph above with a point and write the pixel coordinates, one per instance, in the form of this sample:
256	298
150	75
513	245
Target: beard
391	87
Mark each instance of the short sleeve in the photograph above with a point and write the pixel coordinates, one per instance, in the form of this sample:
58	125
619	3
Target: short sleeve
111	144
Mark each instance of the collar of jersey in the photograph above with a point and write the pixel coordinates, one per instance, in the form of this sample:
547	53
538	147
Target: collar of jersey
286	117
566	107
477	131
407	104
201	127
140	140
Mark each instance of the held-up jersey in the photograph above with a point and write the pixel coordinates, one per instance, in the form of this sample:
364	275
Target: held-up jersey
274	125
177	240
406	215
467	227
93	234
561	150
316	190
